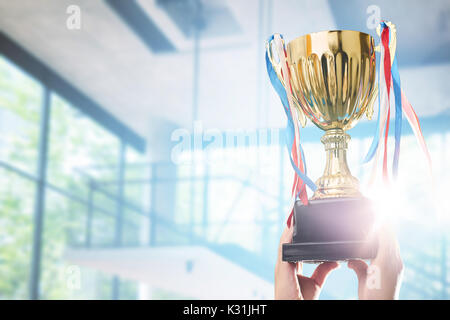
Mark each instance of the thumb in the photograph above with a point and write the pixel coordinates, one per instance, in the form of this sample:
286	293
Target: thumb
360	268
322	272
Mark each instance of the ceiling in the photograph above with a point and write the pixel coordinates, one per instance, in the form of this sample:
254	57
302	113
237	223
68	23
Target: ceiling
117	63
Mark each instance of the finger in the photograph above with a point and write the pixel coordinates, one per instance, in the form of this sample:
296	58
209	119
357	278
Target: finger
286	237
322	271
360	267
284	267
286	284
299	268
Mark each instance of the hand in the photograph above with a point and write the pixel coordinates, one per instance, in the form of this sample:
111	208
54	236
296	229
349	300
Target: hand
382	279
290	284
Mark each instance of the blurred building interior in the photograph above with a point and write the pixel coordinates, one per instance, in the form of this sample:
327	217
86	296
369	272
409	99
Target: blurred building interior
101	199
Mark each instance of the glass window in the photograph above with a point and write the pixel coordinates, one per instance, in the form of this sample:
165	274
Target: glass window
81	204
20	106
16	225
133	222
64	227
137	178
136	199
80	150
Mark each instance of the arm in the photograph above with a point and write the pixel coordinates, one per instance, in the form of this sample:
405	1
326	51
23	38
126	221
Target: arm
382	279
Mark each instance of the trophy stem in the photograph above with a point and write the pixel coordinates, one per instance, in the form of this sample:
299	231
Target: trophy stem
337	181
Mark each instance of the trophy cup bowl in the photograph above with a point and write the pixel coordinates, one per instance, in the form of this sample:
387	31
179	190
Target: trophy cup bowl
332	76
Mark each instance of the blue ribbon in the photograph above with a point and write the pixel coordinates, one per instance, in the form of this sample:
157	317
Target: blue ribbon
290	129
398	116
376	137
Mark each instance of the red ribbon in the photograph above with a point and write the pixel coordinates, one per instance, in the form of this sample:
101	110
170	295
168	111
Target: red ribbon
387	77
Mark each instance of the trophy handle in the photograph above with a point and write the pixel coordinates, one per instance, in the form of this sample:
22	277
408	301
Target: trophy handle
372	99
392	42
277	68
301	114
276	65
392	49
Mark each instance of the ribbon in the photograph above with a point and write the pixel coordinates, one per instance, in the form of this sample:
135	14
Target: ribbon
387	78
292	131
402	105
398	116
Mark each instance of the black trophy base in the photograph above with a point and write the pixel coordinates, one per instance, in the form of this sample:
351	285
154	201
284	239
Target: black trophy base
336	229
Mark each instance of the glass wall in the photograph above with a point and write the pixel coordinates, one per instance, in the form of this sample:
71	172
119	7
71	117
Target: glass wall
20	105
16	221
81	193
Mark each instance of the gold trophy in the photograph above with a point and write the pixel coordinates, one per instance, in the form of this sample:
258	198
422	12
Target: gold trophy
332	75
